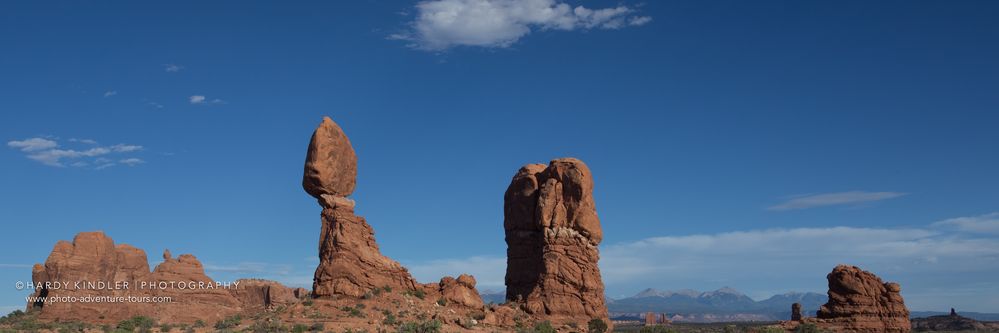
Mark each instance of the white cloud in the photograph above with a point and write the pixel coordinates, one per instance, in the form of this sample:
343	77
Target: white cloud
441	24
172	68
988	223
196	99
489	271
833	199
110	93
131	161
87	141
201	99
47	152
32	144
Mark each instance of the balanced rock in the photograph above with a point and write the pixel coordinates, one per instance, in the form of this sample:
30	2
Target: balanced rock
860	302
330	163
349	260
552	234
796	312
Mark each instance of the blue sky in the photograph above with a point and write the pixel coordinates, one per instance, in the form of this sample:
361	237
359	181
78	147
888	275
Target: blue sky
745	144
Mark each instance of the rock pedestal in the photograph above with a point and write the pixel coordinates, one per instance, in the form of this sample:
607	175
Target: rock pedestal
349	260
796	312
552	234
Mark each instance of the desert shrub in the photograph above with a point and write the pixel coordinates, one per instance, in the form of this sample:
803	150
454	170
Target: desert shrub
807	328
70	327
299	328
478	315
166	328
656	329
389	318
442	302
140	323
228	322
428	326
596	325
730	329
771	329
199	323
21	321
353	311
544	327
267	327
418	293
317	327
307	302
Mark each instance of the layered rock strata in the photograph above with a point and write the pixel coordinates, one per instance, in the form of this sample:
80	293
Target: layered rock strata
91	279
552	234
860	302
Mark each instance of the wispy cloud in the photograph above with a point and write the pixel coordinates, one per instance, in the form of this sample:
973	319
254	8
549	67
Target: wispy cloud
32	144
172	68
489	271
87	141
834	199
110	93
49	152
131	161
441	24
201	99
988	223
250	268
196	99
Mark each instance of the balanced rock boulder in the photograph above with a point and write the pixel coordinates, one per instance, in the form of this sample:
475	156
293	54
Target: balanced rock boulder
349	260
552	234
330	163
112	282
860	302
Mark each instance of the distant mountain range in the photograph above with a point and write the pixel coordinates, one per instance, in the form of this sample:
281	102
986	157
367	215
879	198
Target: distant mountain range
725	304
722	305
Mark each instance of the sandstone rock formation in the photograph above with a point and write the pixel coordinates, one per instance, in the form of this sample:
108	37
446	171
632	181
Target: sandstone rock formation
860	302
106	270
552	233
349	260
796	312
460	291
257	294
330	163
